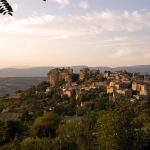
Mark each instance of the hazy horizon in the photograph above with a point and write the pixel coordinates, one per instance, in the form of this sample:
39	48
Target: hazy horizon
28	67
70	33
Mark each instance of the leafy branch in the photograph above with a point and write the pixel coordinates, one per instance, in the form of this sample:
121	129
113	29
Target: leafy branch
5	7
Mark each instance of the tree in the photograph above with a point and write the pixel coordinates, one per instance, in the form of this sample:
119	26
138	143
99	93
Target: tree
124	129
113	131
72	110
148	101
6	8
66	136
9	130
46	125
85	132
26	117
82	98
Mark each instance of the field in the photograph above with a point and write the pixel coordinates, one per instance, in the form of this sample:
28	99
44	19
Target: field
10	85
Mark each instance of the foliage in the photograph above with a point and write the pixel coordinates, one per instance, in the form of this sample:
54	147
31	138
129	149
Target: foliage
102	78
46	125
6	8
122	128
85	132
37	144
75	77
42	86
103	124
66	136
71	108
9	130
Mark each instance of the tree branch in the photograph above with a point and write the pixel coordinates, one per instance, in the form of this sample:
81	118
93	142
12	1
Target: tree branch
5	7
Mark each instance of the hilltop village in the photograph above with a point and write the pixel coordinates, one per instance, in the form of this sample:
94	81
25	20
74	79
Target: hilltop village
65	90
116	85
85	111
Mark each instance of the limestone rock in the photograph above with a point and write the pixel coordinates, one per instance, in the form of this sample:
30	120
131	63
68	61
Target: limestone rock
56	75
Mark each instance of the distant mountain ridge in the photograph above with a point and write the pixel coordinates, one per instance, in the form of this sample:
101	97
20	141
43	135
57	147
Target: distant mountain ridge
42	71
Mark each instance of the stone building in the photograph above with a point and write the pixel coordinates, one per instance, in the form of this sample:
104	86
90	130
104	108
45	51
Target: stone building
136	86
125	92
121	85
99	84
142	87
111	89
56	75
143	90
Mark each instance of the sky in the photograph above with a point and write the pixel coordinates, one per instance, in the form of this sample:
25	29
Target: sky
75	32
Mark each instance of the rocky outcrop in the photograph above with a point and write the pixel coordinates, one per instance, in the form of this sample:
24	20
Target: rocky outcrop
86	73
67	75
56	75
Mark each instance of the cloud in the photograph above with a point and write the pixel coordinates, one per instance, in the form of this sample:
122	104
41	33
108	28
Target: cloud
120	39
126	14
58	37
121	53
117	39
146	36
84	5
144	10
94	23
63	2
15	7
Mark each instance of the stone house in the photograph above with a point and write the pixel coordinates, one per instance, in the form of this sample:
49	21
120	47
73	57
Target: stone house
142	87
111	89
136	86
125	92
121	85
143	90
67	92
99	84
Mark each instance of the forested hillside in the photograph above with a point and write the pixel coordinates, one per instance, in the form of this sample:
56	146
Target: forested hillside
39	120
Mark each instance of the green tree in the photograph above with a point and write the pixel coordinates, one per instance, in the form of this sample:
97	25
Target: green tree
42	86
113	131
72	106
46	125
66	136
26	117
121	128
9	130
82	98
85	132
148	101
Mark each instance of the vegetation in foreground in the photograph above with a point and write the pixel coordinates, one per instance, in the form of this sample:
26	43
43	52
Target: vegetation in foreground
30	123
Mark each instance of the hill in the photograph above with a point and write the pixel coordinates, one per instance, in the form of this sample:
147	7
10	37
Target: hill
42	71
9	85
